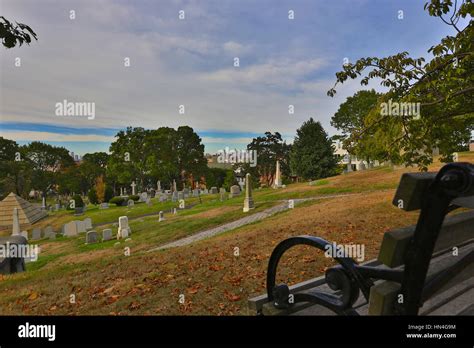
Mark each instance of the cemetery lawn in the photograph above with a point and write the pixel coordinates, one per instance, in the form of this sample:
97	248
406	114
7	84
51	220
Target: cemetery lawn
354	208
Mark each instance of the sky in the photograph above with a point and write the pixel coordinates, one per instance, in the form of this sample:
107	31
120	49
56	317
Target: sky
190	62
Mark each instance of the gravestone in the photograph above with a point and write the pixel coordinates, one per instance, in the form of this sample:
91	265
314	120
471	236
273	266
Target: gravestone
205	191
104	205
143	196
88	223
57	206
133	185
277	183
36	233
174	189
162	198
52	235
196	193
185	192
70	229
175	211
130	203
48	230
158	186
248	201
80	226
234	191
92	237
180	195
16	223
123	230
106	234
161	216
174	196
214	190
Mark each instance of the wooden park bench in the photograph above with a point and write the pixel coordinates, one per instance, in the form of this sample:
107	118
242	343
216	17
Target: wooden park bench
10	265
424	269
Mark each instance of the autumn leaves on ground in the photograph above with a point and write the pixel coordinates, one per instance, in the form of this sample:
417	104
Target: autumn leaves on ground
208	273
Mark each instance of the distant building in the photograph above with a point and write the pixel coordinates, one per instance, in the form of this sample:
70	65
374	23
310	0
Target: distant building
351	160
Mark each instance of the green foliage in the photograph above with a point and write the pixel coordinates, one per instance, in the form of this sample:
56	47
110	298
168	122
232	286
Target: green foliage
269	148
312	153
443	87
109	193
117	200
215	177
230	180
78	202
134	197
92	195
163	154
11	34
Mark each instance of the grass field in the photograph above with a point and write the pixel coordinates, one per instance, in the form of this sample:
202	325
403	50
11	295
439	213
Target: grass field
208	273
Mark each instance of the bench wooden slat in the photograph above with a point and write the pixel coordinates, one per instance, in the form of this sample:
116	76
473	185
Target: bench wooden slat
457	229
384	293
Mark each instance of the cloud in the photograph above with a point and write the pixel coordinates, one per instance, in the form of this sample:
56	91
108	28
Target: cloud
278	72
54	137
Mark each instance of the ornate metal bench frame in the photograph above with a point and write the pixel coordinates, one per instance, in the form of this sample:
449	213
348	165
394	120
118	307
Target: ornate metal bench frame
454	180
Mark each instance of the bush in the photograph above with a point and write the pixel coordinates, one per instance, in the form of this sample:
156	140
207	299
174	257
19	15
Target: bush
134	197
109	193
77	201
92	195
117	200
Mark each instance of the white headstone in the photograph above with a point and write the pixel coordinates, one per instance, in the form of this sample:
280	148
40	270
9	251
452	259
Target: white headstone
80	226
158	186
88	223
248	201
234	191
130	203
70	229
16	223
161	216
124	229
106	234
133	185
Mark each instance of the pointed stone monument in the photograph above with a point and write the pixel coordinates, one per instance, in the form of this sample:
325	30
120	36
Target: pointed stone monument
16	223
174	186
248	201
158	186
277	183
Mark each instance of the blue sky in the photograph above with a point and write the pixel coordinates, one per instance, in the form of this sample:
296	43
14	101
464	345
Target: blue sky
190	62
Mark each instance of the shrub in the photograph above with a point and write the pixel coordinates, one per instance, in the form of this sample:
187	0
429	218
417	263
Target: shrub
117	200
109	193
92	195
77	201
134	197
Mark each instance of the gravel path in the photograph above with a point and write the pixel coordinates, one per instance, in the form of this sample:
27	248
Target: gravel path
237	223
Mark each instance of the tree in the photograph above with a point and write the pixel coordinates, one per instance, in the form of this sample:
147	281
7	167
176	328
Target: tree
229	180
191	162
11	34
269	148
15	173
100	189
47	163
443	87
312	153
